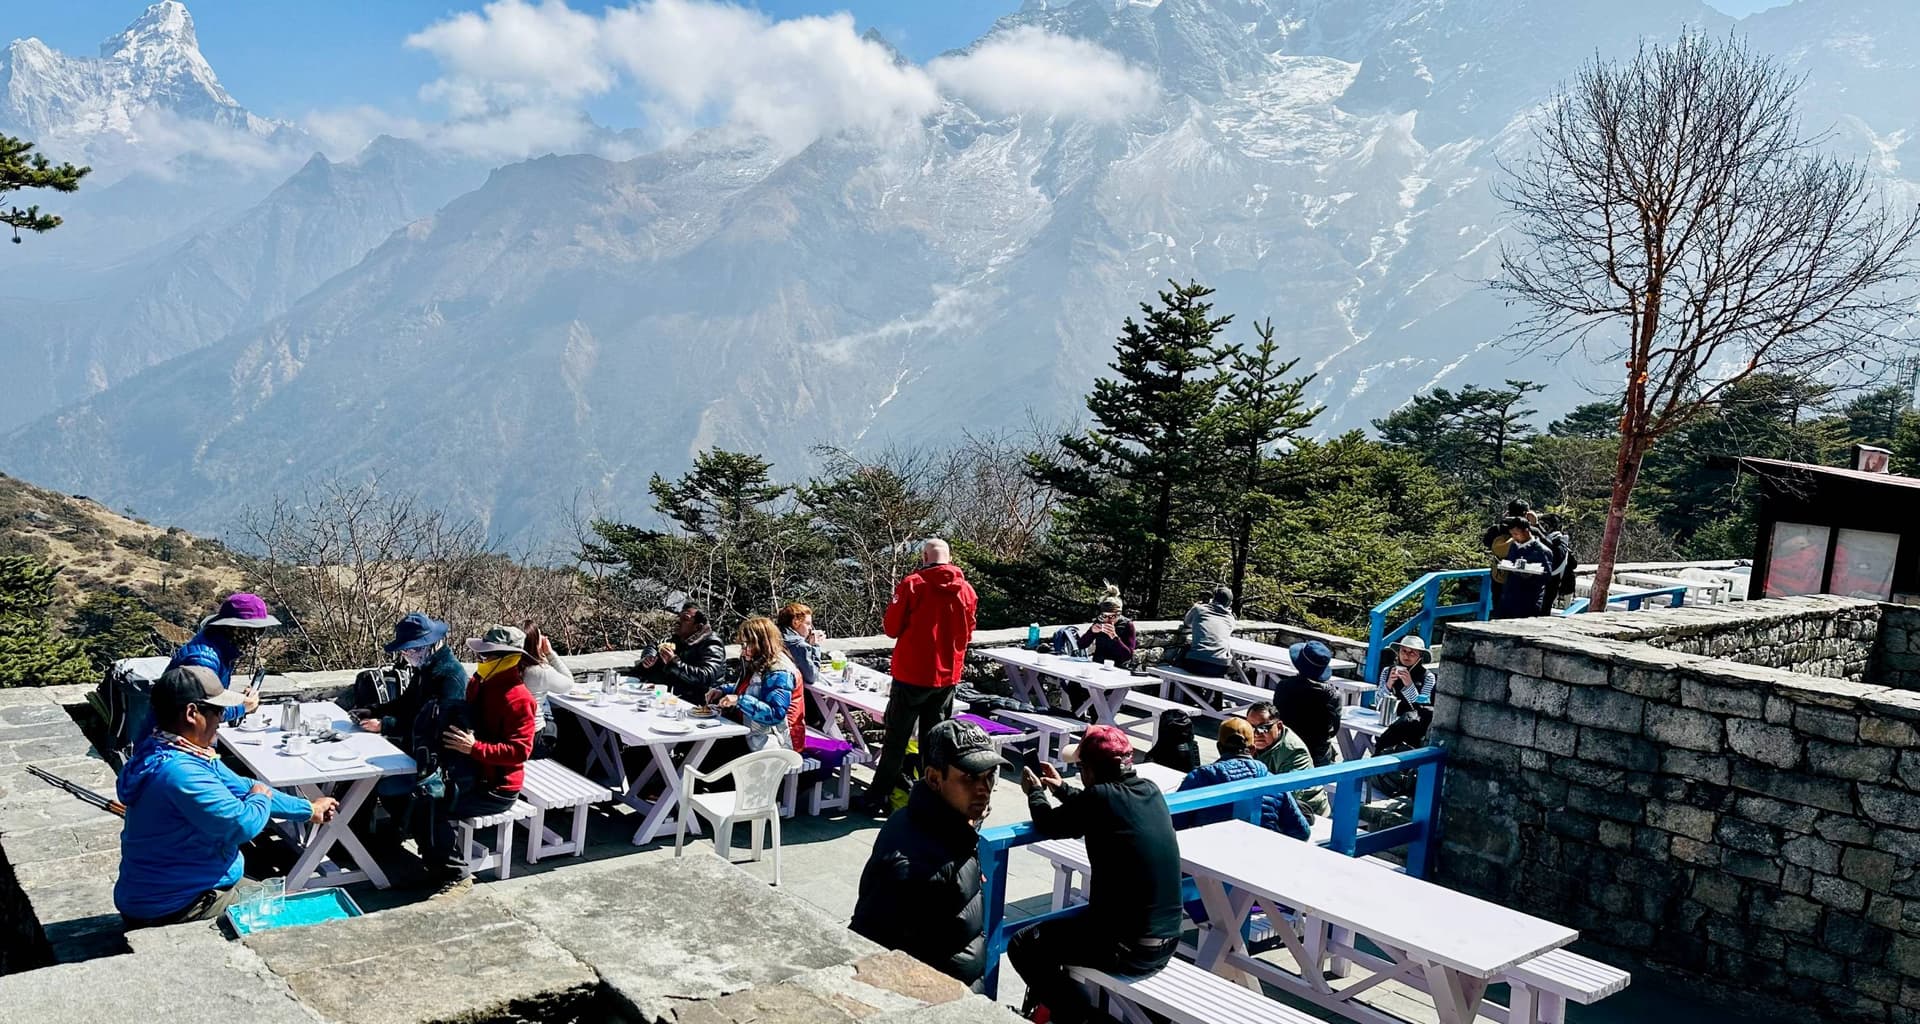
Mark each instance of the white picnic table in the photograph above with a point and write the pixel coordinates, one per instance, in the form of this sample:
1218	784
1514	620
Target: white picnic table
620	723
347	769
1360	729
1106	686
1273	654
1450	943
1168	779
838	701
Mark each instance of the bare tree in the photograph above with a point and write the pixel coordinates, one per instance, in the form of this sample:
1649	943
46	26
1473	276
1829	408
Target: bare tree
986	499
343	561
1676	219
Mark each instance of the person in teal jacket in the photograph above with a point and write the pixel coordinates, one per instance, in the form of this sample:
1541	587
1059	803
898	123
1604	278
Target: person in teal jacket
187	813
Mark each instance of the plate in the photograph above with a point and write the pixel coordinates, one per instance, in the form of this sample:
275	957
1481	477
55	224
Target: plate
672	728
582	692
343	755
703	712
254	725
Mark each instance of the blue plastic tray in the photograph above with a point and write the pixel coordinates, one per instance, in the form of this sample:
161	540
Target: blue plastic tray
299	909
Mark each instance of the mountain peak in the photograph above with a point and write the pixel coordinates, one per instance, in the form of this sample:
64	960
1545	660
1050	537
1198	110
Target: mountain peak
165	25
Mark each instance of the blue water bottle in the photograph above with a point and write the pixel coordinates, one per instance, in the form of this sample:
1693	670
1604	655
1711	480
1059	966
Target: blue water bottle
1033	636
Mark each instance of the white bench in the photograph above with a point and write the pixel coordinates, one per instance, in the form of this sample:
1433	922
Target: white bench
480	855
1197	690
1047	729
1147	729
1542	986
550	786
1186	994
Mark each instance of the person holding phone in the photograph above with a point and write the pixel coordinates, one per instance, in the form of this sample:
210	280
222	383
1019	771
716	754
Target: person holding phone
1110	637
1410	682
226	640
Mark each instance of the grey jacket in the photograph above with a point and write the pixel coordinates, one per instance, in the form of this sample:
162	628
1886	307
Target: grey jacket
1209	632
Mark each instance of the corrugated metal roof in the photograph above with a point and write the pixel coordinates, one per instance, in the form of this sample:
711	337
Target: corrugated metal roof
1885	479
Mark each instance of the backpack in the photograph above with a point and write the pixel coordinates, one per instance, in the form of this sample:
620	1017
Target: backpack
124	702
375	686
1173	746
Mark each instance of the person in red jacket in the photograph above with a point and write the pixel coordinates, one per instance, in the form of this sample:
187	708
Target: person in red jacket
931	619
486	777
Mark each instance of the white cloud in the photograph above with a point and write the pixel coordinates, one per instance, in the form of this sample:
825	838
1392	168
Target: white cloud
1031	71
516	74
793	80
512	53
343	132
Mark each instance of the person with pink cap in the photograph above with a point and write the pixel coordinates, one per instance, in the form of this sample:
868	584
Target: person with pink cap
1133	915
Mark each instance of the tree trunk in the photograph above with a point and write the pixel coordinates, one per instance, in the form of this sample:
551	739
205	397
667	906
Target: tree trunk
1626	473
1242	542
1162	547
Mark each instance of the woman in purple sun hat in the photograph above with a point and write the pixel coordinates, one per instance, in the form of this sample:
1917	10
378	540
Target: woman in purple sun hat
227	638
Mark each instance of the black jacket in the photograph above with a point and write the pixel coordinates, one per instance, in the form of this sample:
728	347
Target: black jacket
920	892
1312	711
1133	889
435	698
699	665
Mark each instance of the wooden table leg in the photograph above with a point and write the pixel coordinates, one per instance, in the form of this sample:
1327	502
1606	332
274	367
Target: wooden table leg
1456	997
322	838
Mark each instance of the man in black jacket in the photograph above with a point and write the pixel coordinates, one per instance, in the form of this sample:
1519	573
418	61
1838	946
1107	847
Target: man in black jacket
1132	921
920	892
693	663
1306	703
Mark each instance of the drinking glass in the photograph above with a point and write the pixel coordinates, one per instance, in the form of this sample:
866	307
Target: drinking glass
272	896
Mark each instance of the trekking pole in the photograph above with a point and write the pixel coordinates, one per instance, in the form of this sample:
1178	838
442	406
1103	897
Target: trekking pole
85	795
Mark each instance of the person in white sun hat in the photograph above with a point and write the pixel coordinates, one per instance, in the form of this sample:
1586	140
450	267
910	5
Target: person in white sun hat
1409	681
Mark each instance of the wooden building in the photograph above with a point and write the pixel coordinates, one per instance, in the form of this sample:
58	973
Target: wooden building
1829	530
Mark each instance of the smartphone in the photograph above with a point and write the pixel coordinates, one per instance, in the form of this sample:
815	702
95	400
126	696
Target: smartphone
1031	761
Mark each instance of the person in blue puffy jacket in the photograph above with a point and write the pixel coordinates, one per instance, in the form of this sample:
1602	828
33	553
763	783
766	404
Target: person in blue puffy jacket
1278	812
187	813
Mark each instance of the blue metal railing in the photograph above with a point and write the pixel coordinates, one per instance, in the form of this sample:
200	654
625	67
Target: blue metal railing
1632	600
1380	637
1243	798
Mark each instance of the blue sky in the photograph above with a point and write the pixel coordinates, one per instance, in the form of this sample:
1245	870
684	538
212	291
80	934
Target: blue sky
286	58
283	58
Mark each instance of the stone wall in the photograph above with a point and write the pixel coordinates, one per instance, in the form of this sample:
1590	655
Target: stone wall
1896	649
1836	643
1754	827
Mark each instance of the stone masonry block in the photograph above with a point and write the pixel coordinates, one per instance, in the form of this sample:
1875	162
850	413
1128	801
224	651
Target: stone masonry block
1508	656
1649	683
1793	787
1579	670
1849	761
1828	724
1840	894
1813	853
1617	749
1605	708
1721	700
1691	765
1693	822
1888	732
1546	696
1769	744
1487	685
1871	868
1497	722
1888	806
1784	912
1738	834
1680	727
1768	811
1556	737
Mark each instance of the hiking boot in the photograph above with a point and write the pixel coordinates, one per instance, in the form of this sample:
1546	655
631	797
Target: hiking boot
452	888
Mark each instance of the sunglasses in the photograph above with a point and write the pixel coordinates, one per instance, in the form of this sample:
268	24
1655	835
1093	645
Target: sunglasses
1266	727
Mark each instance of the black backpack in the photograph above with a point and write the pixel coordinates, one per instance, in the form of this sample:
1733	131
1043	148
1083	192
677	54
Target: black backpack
1173	745
376	686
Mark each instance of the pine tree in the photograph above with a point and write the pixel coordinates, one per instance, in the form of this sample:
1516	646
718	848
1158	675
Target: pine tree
1260	411
21	168
110	627
1469	435
31	653
1142	477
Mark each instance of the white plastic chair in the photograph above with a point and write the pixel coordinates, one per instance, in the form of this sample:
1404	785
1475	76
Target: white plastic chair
755	799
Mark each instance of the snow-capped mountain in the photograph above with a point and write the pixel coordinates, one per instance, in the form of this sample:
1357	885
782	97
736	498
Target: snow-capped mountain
97	110
574	324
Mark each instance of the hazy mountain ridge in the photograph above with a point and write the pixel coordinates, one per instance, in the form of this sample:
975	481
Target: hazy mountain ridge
574	324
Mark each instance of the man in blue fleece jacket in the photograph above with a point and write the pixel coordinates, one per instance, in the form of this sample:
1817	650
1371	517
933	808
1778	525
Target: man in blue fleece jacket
188	814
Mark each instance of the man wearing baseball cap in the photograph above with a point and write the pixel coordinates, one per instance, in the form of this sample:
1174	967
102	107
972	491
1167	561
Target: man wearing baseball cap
920	892
1132	921
187	813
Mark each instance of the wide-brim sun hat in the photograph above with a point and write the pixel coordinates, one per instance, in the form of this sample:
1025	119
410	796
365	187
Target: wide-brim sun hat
1413	642
1312	659
499	640
417	629
244	610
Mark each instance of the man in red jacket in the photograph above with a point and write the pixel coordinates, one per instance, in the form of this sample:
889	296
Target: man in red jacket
931	617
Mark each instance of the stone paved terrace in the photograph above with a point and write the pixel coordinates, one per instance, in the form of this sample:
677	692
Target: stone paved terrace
613	935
